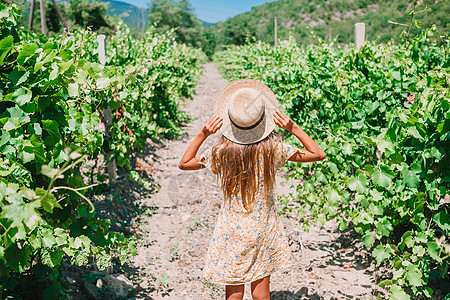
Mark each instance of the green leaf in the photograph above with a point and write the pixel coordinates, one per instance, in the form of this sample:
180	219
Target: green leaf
46	59
428	292
26	155
4	12
134	176
22	96
433	251
15	76
34	242
444	127
51	258
38	148
358	184
48	240
73	90
48	200
383	142
397	293
21	214
368	240
397	76
26	52
442	219
37	128
343	224
12	124
417	132
414	276
419	250
411	177
18	259
23	78
406	240
333	196
61	236
80	258
52	128
5	46
54	72
384	283
19	114
384	227
382	176
51	172
381	253
421	237
65	65
86	242
102	83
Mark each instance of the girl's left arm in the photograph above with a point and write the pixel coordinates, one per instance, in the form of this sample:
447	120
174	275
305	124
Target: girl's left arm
189	161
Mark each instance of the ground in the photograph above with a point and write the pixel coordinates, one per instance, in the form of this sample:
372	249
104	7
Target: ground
175	232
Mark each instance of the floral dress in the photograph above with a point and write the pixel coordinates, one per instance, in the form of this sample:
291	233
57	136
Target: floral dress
247	246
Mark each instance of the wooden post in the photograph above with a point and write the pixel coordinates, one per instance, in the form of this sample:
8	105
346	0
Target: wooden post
111	164
276	38
43	21
60	16
101	39
31	19
360	30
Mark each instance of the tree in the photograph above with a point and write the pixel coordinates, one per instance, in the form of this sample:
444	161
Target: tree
238	29
167	14
92	14
69	14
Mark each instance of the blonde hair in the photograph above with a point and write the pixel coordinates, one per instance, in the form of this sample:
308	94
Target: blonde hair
239	170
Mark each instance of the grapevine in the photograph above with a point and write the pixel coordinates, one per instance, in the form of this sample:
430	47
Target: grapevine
382	115
53	93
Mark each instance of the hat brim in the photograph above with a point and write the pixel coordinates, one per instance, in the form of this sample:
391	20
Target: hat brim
259	132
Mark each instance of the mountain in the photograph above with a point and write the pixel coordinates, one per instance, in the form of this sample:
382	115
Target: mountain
206	24
135	16
332	19
132	15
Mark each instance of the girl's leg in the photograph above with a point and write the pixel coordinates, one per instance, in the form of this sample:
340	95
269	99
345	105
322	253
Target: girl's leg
261	289
234	292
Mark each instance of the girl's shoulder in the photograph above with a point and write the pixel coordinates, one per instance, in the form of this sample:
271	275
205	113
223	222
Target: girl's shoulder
283	152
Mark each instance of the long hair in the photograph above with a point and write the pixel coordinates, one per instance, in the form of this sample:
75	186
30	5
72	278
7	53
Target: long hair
239	170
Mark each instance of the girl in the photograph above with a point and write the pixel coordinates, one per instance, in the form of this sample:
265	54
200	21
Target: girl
249	242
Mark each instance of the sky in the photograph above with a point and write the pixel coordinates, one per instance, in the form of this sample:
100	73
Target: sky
213	11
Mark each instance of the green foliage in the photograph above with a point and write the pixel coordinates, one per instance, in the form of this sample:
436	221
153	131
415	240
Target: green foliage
382	115
53	94
209	42
177	15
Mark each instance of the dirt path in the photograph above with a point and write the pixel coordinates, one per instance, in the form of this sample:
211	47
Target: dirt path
180	220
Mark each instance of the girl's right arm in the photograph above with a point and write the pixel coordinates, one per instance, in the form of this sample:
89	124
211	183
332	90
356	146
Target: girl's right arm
190	160
312	152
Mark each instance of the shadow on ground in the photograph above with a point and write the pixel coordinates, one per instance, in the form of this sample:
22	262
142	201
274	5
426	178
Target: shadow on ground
300	294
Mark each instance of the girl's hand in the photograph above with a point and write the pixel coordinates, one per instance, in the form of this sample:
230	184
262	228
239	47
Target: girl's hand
282	120
212	126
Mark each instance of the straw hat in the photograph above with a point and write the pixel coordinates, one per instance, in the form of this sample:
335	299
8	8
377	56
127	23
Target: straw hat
247	108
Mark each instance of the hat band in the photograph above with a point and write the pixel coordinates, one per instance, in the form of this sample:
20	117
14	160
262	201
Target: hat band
248	127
